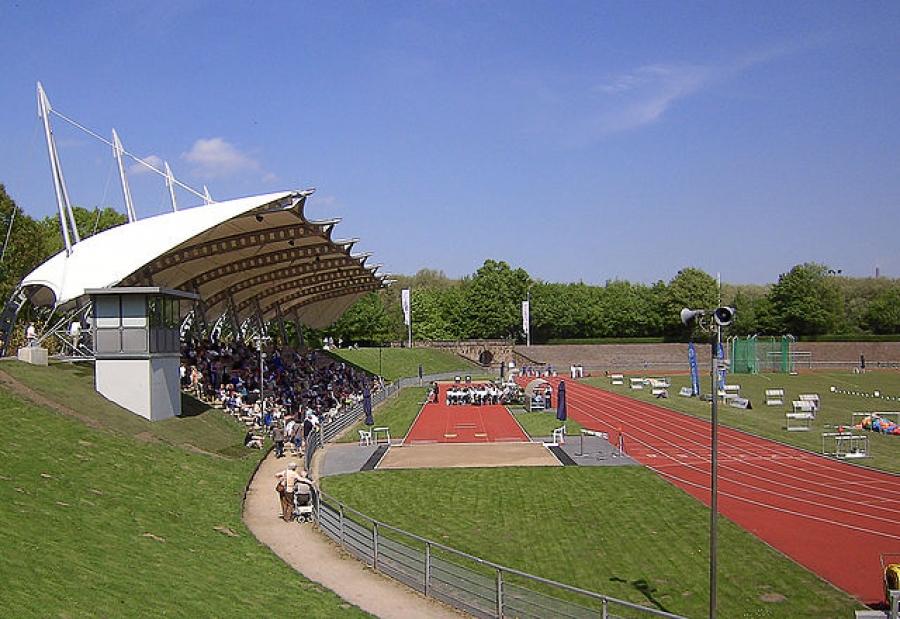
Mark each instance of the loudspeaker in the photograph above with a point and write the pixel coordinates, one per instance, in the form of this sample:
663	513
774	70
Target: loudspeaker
723	316
687	315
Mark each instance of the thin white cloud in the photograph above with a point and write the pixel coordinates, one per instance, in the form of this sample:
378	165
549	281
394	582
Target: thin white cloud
643	96
582	109
137	169
214	158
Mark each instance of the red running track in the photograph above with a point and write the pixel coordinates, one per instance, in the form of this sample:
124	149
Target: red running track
834	518
440	423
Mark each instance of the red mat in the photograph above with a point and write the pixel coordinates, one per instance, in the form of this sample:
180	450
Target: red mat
440	423
834	518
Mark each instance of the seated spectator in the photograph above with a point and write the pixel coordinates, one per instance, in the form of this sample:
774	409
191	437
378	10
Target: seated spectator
253	441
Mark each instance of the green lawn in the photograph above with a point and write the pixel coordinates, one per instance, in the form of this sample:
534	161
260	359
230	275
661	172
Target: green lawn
621	531
395	363
132	519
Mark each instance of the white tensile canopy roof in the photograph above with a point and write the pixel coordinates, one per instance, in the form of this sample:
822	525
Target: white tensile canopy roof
256	256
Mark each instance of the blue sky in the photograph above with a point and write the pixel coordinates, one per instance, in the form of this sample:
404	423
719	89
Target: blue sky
579	140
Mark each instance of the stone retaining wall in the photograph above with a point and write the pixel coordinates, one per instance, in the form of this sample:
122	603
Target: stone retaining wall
638	357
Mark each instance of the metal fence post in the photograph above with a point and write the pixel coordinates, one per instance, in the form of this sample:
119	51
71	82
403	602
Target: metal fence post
374	545
499	593
427	569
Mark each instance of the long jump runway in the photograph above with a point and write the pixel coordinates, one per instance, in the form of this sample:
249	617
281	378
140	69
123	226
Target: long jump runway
834	518
441	423
466	436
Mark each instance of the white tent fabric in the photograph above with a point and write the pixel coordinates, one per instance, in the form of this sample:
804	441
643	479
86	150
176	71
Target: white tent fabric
254	256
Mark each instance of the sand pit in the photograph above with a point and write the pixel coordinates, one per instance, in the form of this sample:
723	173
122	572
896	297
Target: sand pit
467	456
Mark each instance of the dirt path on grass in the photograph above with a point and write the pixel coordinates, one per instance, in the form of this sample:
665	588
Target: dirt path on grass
309	552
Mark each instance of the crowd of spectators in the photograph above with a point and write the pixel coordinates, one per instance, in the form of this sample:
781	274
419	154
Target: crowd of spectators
476	394
294	392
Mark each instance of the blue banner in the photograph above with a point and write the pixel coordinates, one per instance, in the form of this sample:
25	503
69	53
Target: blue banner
721	356
695	371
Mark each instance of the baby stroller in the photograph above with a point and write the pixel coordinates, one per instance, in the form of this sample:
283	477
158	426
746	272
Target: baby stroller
304	501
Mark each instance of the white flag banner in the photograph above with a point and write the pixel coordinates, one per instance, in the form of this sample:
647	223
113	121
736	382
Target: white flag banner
526	319
404	300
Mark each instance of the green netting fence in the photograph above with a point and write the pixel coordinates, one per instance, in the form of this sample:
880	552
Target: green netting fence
755	354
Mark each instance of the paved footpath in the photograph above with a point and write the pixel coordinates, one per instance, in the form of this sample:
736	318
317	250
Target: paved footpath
307	550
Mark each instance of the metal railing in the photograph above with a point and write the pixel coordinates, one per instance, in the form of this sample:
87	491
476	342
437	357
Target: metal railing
481	588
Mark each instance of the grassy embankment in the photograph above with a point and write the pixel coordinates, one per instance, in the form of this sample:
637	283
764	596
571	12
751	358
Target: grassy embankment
104	514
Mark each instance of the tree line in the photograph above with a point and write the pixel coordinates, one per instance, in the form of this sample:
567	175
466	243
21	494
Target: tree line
809	300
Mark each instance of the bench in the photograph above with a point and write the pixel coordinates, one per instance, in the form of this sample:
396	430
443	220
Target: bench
617	379
659	383
799	421
686	392
775	397
637	383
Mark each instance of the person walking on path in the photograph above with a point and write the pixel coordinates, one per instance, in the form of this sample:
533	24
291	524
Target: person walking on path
278	439
287	479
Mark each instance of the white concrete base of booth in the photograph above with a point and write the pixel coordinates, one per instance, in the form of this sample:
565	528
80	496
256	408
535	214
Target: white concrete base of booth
147	387
35	355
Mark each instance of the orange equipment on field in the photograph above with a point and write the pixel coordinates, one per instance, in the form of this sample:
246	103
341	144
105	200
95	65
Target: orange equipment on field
891	575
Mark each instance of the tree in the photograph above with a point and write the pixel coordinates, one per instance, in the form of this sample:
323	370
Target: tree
691	288
628	310
493	299
806	300
24	245
88	223
432	314
883	313
365	322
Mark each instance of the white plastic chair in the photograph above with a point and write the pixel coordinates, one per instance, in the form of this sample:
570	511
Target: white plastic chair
559	436
365	437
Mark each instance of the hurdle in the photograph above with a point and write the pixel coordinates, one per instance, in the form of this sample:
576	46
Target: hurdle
845	445
799	421
601	435
774	397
